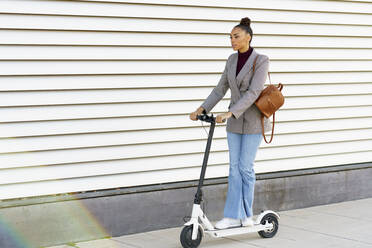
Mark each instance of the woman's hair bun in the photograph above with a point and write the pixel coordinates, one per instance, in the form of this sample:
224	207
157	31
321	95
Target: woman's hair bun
245	21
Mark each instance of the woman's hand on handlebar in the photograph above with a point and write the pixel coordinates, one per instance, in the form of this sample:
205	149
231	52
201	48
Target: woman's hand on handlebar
221	118
193	115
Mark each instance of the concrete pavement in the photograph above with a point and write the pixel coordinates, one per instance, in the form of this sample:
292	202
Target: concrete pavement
341	225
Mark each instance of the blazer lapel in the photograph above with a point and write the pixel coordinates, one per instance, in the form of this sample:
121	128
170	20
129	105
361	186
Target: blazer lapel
235	81
232	78
247	67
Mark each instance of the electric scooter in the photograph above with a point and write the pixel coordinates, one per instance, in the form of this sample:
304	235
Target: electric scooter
266	223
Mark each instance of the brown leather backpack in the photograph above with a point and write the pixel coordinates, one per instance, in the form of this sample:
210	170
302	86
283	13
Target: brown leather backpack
269	101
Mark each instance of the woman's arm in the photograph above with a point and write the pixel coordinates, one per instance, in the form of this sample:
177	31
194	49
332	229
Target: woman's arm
218	92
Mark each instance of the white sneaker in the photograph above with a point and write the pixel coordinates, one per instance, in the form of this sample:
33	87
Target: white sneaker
227	223
247	222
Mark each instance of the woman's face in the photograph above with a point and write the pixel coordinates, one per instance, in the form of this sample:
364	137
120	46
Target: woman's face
239	39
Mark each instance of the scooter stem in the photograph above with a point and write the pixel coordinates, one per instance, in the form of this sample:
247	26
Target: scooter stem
198	195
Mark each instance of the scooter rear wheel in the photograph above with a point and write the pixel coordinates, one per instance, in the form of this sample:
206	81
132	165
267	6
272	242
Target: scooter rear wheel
270	218
186	239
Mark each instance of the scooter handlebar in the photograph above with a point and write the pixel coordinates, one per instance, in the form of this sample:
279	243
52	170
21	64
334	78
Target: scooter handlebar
206	118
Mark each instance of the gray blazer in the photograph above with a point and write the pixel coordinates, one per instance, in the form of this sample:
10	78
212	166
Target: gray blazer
245	89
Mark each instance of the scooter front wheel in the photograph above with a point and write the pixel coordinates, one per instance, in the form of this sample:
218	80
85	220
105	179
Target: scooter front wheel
186	237
270	218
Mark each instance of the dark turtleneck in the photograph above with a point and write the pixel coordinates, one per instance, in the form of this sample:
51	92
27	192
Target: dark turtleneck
242	58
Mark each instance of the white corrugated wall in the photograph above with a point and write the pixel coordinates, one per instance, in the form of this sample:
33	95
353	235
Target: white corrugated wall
96	94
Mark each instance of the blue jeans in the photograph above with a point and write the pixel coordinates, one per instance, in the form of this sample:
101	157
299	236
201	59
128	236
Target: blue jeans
240	193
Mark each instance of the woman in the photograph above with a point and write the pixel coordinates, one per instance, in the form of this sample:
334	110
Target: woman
243	122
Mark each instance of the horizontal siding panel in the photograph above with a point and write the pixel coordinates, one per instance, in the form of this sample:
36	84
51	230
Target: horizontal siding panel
83	184
48	22
164	176
63	82
168	39
116	53
13	160
315	53
323	113
27	144
156	67
323	125
297	5
99	111
150	123
87	126
301	113
179	12
107	81
158	108
105	139
314	161
49	52
108	167
53	172
322	77
282	116
162	94
326	89
102	96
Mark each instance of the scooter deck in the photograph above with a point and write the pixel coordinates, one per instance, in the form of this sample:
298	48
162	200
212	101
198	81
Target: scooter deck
217	233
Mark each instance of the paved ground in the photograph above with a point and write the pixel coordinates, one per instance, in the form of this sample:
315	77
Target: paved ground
341	225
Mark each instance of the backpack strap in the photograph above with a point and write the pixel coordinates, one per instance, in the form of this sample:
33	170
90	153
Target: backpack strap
262	116
272	131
